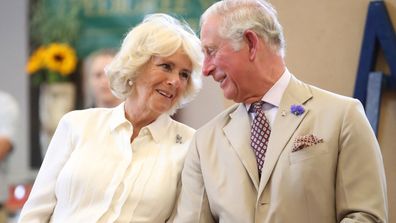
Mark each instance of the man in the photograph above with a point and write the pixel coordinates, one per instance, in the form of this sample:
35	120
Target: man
96	83
321	163
8	119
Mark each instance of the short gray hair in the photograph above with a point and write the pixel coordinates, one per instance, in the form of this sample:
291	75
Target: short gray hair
157	35
237	16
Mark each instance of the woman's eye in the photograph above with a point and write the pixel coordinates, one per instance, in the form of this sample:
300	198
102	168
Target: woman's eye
185	75
166	67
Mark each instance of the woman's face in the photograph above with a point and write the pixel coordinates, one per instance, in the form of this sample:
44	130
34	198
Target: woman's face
162	81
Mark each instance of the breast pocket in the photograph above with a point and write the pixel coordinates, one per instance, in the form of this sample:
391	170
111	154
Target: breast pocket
305	154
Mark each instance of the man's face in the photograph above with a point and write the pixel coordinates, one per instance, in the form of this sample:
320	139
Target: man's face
226	66
99	81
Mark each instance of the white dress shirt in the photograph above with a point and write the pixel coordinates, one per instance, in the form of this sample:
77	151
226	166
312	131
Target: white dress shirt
92	173
273	98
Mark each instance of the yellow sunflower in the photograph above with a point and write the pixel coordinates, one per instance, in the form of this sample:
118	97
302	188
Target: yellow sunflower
36	61
60	58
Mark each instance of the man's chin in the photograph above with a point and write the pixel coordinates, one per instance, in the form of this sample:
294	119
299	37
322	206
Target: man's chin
230	97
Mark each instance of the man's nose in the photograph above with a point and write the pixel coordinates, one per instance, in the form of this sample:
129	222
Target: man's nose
207	68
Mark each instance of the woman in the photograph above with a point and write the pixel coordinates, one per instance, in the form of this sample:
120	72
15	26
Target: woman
123	164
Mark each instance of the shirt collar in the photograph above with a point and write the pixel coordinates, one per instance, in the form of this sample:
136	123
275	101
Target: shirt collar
156	128
275	93
118	117
159	128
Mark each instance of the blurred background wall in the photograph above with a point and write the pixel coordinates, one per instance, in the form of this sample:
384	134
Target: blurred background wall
323	48
13	54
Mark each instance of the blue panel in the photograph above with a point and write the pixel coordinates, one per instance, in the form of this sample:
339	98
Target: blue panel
378	32
367	55
373	102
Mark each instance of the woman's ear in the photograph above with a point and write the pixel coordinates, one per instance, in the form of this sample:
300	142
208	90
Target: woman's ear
252	41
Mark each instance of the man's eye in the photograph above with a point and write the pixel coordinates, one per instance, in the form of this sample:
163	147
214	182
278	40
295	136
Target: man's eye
210	51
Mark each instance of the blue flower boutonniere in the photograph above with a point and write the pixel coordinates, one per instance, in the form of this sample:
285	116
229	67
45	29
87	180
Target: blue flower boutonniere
297	109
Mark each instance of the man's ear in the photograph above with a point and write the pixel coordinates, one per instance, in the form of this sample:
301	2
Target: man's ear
252	41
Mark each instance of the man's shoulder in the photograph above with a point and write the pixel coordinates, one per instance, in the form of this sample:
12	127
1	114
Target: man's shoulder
323	94
221	119
323	102
326	95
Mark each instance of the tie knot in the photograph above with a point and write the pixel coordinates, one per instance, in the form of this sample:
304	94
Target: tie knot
256	106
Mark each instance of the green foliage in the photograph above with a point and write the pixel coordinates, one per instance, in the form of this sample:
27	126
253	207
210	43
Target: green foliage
54	21
49	77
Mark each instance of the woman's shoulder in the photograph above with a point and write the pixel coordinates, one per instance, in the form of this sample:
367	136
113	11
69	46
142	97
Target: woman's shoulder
181	127
89	112
87	115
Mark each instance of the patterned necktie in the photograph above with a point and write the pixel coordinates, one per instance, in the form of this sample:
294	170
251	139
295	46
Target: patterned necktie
260	133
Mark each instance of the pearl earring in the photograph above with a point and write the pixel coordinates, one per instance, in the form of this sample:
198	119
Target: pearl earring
130	83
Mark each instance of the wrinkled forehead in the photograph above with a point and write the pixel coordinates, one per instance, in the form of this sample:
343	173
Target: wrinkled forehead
179	58
209	28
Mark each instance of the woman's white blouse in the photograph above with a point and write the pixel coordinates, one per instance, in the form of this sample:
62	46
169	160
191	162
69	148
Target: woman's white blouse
92	173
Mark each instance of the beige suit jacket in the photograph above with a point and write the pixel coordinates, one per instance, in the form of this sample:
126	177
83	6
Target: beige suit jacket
339	180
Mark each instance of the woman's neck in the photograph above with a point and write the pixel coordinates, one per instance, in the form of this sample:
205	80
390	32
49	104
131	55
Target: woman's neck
139	116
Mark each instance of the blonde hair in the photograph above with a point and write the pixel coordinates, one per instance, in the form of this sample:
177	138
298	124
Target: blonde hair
157	35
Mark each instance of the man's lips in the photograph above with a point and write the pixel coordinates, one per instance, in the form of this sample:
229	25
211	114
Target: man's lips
221	80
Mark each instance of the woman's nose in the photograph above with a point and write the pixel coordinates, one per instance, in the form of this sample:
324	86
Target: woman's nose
174	79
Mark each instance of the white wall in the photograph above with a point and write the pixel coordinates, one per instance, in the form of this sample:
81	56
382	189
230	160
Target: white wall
208	103
13	53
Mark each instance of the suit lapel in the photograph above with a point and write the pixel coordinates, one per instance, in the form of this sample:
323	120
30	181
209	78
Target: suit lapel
285	125
237	132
